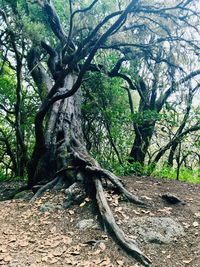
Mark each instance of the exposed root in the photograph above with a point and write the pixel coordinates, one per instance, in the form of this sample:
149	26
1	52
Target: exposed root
86	180
92	165
114	179
127	244
44	188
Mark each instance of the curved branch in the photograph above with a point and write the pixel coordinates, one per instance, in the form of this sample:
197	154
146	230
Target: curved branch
54	21
163	98
72	17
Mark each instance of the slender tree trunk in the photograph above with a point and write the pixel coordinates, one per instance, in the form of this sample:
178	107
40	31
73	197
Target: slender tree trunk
171	154
143	135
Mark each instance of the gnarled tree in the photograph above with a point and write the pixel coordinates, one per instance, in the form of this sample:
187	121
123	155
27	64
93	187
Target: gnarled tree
59	154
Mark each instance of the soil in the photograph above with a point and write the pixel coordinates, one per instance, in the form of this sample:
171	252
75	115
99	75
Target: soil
31	237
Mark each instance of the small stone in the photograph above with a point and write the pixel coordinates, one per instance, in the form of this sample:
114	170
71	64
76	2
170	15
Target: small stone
48	207
85	224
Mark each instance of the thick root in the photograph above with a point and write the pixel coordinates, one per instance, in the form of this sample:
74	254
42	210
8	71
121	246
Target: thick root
127	244
115	180
91	165
44	188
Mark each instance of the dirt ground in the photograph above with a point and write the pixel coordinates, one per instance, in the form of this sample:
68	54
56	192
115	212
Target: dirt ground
31	237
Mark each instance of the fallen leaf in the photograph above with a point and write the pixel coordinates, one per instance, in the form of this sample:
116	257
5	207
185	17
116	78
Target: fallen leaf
53	261
136	212
58	252
120	263
7	258
71	212
187	261
195	224
147	198
82	204
186	225
166	210
23	243
145	211
102	246
105	262
53	229
197	214
98	251
55	244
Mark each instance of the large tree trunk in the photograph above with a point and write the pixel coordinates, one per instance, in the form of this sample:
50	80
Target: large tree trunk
63	133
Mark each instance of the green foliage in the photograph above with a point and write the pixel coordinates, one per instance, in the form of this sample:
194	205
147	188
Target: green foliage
106	116
148	115
7	85
3	177
186	175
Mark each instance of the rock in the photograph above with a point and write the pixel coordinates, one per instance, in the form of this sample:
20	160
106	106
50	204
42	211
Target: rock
85	224
26	195
49	207
156	230
75	194
171	199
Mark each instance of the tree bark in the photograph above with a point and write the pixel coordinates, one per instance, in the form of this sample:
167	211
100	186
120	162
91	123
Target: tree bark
143	135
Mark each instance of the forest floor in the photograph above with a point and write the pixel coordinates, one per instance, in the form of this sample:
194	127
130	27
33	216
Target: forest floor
31	236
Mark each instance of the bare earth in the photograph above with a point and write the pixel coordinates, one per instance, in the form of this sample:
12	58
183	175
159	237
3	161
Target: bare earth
30	237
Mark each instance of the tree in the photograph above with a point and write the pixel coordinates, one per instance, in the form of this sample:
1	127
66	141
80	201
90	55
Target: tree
58	64
163	70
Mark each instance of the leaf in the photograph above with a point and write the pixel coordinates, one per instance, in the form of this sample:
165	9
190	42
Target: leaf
102	246
87	199
197	214
166	210
23	243
146	197
71	212
55	244
54	260
58	252
104	237
187	261
195	224
120	263
53	229
98	251
186	225
7	258
105	262
136	212
82	204
145	211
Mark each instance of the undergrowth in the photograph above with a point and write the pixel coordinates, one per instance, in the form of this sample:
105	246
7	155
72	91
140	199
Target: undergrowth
185	175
